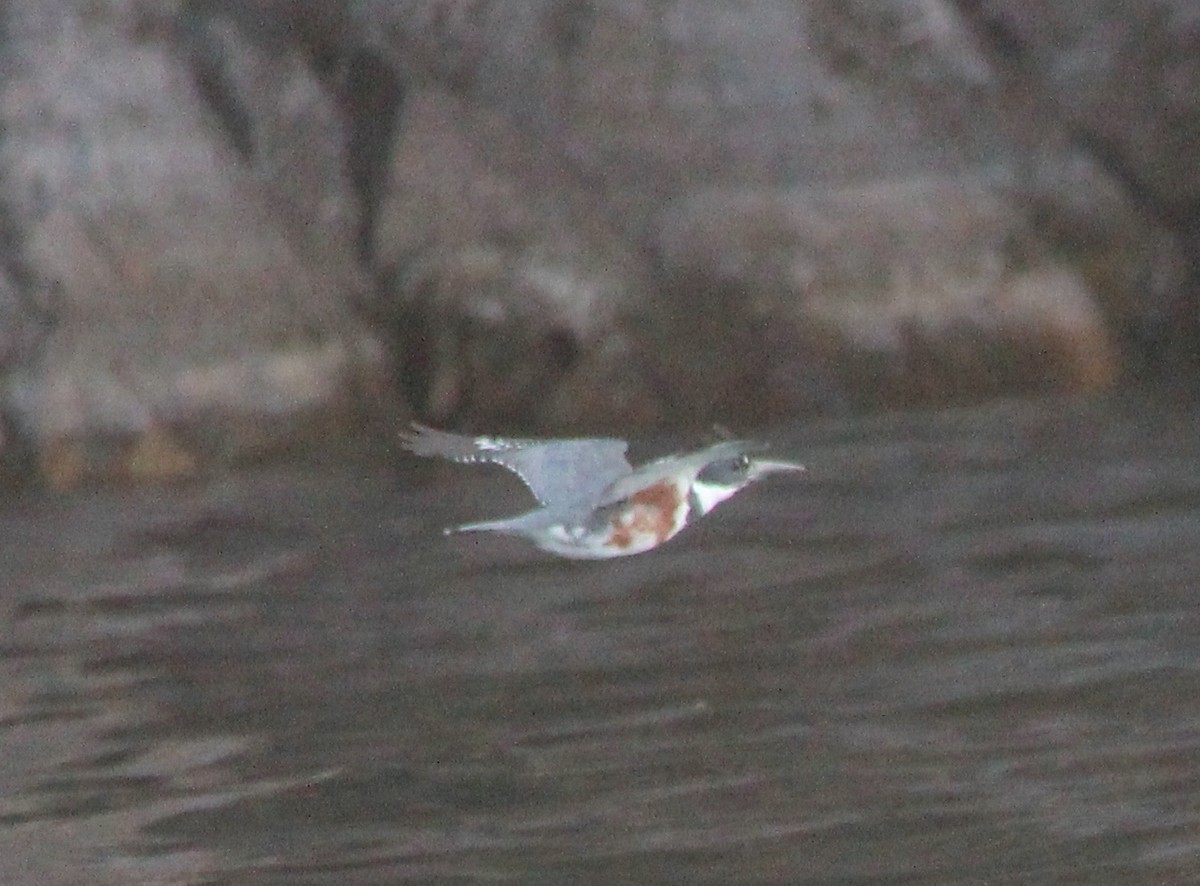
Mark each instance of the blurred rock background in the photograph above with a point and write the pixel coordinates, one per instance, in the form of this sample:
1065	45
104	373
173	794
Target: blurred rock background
233	228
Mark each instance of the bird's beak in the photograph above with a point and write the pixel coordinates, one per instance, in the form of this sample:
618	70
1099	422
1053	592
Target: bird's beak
763	467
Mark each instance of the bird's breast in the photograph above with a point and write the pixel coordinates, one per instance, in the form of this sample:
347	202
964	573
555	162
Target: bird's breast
648	518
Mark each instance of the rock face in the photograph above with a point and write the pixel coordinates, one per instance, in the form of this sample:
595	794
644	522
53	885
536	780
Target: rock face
501	283
921	291
229	227
188	299
906	269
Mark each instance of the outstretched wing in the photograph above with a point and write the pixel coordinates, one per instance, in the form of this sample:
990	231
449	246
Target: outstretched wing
556	471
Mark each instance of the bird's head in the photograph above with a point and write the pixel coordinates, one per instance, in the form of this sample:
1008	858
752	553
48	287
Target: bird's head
730	467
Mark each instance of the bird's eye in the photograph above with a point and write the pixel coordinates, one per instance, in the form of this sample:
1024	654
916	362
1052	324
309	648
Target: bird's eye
743	462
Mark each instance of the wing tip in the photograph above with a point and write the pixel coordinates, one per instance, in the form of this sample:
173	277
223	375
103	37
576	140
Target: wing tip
421	439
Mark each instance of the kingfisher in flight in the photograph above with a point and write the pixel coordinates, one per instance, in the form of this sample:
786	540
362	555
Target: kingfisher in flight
593	503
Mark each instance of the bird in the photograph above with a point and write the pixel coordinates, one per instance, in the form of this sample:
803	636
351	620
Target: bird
593	503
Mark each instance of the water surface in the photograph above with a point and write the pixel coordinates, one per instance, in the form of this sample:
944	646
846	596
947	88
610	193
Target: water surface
963	648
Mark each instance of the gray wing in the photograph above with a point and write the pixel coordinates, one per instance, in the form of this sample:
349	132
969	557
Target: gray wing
556	471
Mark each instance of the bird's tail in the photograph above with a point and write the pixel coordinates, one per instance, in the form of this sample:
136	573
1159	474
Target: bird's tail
506	526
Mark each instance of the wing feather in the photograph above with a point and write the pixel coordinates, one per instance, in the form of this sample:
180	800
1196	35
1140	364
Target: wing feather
557	472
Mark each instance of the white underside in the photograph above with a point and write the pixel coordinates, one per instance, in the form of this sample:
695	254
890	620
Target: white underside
561	542
708	497
579	544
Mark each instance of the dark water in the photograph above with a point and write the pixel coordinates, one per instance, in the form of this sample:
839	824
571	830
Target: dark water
964	648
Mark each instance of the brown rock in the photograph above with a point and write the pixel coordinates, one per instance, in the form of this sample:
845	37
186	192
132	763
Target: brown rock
916	292
162	255
503	278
